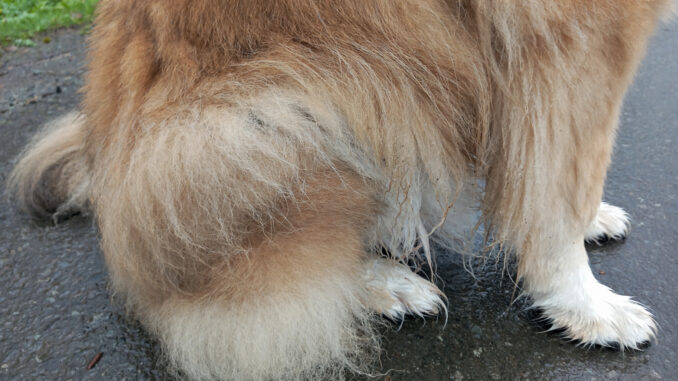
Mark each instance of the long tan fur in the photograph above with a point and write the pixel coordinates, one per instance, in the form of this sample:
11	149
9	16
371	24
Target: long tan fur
52	179
245	159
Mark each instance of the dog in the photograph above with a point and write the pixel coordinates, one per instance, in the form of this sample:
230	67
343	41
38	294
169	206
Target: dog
249	163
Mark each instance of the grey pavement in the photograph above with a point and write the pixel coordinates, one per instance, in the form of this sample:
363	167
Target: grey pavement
56	312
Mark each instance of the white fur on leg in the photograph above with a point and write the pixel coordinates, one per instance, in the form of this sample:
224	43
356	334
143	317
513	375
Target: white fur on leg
572	299
394	290
611	222
313	333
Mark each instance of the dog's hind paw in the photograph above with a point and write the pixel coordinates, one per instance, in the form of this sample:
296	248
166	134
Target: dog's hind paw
611	222
394	291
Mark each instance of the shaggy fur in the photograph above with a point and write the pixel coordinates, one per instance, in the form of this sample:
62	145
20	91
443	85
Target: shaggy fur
53	178
246	162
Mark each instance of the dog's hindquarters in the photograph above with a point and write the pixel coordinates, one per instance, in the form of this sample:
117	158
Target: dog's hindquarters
238	229
241	239
293	305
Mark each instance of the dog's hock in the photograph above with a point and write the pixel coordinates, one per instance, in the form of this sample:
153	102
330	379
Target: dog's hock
611	222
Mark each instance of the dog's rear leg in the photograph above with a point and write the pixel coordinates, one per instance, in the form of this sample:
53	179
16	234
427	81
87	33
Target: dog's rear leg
298	303
394	290
293	306
611	222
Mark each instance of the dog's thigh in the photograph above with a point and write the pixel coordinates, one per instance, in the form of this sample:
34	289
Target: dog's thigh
292	306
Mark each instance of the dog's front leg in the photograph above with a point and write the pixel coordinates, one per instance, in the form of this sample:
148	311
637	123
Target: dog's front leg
556	111
563	286
556	201
553	262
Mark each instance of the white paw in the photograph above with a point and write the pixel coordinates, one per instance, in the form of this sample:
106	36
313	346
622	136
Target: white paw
595	315
394	290
611	222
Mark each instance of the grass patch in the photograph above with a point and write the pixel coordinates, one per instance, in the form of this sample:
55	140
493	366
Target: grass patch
20	20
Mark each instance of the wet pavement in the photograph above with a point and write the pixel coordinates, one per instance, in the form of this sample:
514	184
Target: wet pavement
56	314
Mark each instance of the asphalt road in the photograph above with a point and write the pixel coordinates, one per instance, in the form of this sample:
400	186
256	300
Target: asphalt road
56	314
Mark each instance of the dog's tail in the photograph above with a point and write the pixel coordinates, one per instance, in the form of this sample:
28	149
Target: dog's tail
51	179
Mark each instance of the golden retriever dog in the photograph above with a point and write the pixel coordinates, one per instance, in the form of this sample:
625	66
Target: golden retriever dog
251	163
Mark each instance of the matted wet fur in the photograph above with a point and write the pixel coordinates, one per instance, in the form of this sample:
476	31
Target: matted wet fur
247	161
